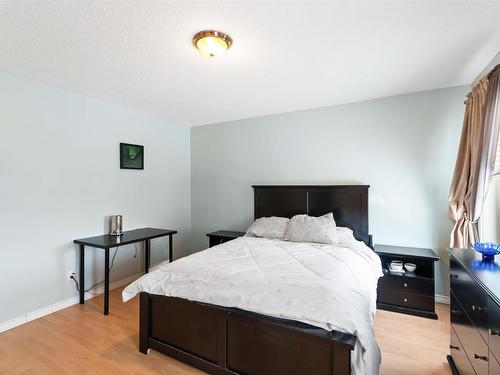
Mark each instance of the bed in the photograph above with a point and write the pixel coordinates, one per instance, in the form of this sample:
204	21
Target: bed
257	306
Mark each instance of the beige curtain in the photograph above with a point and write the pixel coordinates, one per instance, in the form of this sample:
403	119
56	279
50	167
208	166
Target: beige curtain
475	160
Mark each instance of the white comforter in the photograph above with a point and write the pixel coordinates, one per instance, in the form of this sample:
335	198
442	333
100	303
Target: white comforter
328	286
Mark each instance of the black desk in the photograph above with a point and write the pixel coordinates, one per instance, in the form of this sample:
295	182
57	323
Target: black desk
106	242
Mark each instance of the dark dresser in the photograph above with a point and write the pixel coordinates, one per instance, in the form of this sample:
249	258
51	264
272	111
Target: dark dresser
474	313
411	292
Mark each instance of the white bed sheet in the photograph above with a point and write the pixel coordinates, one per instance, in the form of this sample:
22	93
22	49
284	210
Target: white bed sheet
328	286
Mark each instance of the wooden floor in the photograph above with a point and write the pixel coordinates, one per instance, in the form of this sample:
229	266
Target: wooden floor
80	340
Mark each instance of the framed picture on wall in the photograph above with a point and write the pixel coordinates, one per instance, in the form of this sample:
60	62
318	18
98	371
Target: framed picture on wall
131	156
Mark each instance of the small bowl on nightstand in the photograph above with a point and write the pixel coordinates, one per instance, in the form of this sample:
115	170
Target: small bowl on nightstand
396	265
410	267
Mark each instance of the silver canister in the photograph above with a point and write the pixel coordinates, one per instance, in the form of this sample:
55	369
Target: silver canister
115	225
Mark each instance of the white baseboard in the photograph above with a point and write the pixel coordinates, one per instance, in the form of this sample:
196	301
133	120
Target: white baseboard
442	299
28	317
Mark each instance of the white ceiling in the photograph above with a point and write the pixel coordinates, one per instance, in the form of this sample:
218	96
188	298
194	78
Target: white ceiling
286	56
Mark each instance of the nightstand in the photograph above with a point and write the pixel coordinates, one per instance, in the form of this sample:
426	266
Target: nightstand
411	292
221	236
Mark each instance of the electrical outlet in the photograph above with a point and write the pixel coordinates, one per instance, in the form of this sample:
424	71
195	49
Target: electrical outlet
69	274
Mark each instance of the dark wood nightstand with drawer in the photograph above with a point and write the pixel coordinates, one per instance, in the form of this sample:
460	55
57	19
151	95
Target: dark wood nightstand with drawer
221	236
411	292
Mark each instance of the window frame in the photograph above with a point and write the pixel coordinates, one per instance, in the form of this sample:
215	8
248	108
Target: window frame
496	165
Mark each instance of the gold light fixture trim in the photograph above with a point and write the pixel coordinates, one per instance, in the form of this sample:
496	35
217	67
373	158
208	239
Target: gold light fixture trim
212	43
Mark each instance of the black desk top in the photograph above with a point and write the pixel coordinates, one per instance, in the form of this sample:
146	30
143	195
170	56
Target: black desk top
413	252
486	274
107	241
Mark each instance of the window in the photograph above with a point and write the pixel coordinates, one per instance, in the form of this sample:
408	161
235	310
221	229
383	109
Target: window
496	168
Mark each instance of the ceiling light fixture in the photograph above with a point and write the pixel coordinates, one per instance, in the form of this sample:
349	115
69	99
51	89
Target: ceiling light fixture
212	43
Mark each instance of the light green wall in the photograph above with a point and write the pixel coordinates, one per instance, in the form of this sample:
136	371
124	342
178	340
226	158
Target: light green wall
60	177
403	146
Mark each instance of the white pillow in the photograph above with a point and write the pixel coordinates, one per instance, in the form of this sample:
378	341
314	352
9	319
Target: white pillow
269	227
304	228
345	235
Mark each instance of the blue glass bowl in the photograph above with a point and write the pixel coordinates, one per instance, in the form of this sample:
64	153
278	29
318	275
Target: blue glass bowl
488	249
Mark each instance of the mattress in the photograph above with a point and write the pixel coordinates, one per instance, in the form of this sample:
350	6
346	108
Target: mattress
328	286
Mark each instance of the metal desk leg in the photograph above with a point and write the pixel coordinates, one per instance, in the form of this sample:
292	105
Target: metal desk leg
106	282
82	274
170	249
147	250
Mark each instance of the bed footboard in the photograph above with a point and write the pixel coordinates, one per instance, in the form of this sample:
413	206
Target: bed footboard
221	340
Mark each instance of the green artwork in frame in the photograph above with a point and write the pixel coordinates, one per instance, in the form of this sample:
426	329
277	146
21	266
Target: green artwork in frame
131	156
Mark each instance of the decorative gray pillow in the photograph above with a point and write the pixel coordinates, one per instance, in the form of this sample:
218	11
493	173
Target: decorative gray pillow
269	227
304	228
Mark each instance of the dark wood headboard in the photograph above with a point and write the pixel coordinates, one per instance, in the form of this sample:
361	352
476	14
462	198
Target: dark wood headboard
349	204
